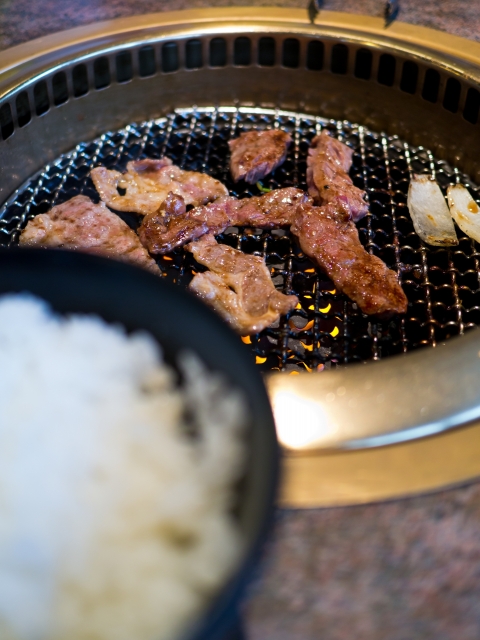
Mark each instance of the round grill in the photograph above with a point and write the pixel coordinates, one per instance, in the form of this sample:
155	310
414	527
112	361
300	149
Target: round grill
326	329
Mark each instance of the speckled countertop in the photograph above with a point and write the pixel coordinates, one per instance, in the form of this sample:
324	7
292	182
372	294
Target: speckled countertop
405	570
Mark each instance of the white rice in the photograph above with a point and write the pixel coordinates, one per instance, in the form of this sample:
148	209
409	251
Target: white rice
114	522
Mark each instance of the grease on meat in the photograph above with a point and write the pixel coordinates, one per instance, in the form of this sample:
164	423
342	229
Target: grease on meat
81	225
255	154
148	182
238	286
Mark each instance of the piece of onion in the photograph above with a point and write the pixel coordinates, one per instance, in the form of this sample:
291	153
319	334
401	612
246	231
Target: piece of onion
430	215
465	211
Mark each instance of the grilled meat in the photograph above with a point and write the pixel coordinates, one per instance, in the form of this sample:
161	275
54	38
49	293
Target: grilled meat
328	163
270	211
148	182
238	286
161	232
257	153
81	225
164	230
328	236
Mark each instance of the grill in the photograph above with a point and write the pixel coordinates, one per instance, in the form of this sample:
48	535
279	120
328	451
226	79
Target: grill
326	330
405	100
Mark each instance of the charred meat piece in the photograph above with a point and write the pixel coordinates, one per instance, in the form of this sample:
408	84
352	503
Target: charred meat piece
257	153
329	237
328	163
165	230
238	286
161	232
81	225
147	183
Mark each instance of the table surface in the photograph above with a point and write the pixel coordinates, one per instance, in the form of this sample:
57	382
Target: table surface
404	570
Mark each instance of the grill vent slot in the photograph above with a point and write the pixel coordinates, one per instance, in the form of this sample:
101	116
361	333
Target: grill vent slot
218	52
193	54
291	53
472	106
101	73
363	64
339	62
6	121
431	85
146	62
315	55
40	95
169	57
386	70
242	52
452	95
266	52
409	80
124	66
80	80
23	109
60	88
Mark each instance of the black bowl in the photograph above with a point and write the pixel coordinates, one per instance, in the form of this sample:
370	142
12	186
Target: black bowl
80	283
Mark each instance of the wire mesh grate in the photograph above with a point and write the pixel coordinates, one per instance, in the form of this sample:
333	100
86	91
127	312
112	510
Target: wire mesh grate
326	329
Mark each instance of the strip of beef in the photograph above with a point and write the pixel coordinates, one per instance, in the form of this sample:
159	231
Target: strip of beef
328	163
329	237
173	226
148	182
270	211
255	154
81	225
238	286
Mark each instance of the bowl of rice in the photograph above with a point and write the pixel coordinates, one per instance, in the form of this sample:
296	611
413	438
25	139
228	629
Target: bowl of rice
138	456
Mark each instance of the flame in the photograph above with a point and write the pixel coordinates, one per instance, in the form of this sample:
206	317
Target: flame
246	339
332	291
294	373
335	332
306	367
308	347
167	258
308	326
309	270
299	306
326	309
311	307
259	360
